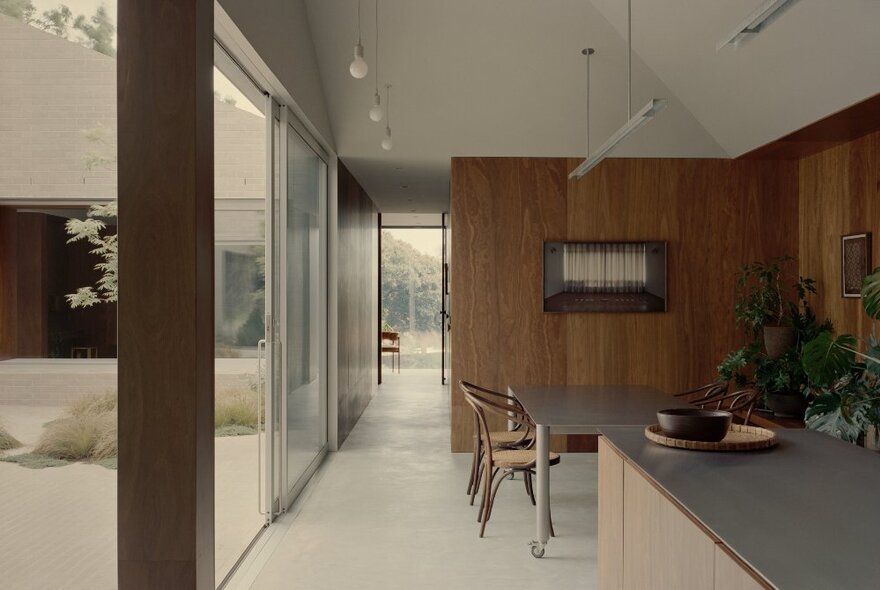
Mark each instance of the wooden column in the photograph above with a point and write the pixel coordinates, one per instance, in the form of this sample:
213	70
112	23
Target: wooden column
166	300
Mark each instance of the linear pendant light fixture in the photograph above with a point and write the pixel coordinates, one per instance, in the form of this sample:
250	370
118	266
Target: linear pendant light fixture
766	13
645	114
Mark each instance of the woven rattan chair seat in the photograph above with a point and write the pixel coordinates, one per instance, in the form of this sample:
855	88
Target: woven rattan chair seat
519	458
507	436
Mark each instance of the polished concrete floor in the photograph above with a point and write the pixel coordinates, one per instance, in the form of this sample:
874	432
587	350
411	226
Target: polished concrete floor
389	510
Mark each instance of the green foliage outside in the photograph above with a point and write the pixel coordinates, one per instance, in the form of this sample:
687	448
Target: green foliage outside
410	287
411	300
93	229
95	32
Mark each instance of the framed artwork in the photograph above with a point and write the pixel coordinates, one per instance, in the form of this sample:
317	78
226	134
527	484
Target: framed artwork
855	263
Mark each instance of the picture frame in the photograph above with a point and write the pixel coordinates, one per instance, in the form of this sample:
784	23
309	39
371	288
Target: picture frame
855	263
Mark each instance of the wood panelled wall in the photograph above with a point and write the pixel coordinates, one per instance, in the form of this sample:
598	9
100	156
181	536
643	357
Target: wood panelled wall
8	284
358	222
839	194
715	215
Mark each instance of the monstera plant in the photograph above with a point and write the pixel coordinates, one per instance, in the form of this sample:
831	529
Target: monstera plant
844	376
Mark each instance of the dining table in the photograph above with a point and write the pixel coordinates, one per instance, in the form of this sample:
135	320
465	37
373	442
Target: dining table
580	409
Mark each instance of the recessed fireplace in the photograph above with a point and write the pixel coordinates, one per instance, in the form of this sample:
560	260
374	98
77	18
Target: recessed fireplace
624	277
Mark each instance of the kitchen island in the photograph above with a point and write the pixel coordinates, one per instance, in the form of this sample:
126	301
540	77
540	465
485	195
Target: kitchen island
800	516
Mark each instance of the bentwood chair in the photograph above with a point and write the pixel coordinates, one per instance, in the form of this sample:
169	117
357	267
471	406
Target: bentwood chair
715	396
708	391
743	401
498	464
518	437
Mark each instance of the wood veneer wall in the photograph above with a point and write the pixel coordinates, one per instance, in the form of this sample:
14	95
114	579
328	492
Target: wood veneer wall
358	221
8	283
715	214
839	194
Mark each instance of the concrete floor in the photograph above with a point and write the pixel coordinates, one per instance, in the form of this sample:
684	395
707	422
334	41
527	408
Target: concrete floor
390	511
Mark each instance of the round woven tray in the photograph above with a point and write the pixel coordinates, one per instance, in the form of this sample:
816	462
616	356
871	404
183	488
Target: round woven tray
739	438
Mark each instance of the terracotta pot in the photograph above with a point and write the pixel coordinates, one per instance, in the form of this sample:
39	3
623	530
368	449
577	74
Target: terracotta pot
778	339
787	405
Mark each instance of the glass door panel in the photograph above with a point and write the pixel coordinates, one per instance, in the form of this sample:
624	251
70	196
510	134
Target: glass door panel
304	311
242	302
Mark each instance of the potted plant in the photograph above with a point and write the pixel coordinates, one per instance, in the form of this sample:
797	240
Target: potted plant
844	382
779	328
762	307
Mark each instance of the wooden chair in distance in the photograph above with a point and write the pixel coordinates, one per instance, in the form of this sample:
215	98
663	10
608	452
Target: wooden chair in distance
391	343
498	464
517	438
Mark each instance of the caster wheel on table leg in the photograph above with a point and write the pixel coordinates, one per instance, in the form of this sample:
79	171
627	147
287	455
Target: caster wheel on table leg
537	551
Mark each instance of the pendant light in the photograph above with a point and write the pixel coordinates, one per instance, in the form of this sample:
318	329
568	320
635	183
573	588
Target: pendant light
589	51
387	143
376	113
358	67
643	116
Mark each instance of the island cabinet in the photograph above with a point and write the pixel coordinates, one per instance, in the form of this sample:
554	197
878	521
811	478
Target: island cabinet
647	541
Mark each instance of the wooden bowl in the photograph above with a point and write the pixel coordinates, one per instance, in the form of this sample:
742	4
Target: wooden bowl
695	424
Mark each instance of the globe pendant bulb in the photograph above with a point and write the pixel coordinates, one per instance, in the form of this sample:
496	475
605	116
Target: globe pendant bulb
376	113
358	67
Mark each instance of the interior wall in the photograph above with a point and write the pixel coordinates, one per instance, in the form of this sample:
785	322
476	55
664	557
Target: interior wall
358	221
839	194
714	214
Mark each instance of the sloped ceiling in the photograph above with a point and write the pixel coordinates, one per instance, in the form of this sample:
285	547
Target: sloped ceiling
506	78
817	58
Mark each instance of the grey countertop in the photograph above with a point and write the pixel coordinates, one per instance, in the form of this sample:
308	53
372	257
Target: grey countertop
805	514
585	408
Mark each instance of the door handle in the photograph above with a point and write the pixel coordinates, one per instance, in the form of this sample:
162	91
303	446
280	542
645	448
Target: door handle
261	348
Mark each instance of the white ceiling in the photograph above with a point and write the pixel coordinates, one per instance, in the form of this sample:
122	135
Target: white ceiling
506	78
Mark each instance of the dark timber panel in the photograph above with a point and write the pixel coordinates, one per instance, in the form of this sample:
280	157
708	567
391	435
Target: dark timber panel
358	222
166	299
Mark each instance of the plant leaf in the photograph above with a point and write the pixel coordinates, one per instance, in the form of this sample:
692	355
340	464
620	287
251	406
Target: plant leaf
871	294
826	358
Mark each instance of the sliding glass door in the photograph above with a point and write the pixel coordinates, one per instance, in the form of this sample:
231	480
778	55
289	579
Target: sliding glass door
270	309
303	313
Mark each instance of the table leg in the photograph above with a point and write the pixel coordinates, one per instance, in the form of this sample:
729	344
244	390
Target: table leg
542	473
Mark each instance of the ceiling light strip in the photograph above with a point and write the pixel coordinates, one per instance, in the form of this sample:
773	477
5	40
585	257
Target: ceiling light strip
645	114
756	22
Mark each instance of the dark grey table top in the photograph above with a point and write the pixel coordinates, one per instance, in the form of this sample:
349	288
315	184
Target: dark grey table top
572	409
805	514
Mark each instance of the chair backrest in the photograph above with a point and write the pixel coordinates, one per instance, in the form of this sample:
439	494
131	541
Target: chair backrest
743	400
482	401
391	337
699	396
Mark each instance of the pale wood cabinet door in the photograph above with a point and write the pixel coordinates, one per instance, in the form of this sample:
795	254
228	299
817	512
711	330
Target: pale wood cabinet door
610	546
730	575
663	548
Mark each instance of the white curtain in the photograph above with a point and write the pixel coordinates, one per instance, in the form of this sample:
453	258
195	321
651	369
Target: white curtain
605	268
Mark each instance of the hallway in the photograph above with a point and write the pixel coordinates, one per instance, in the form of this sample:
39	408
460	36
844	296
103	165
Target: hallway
389	511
